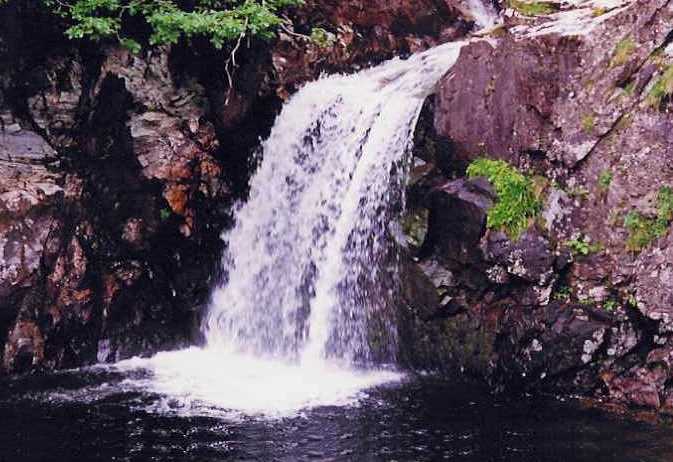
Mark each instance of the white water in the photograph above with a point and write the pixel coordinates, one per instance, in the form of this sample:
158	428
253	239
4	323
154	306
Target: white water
484	14
309	270
306	256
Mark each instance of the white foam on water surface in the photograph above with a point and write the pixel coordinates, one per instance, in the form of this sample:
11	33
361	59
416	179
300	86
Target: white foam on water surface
205	381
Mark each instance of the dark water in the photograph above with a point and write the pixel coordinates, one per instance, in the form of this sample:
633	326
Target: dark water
415	421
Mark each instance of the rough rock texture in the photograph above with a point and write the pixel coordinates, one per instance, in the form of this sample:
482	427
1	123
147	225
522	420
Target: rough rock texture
568	98
362	32
118	171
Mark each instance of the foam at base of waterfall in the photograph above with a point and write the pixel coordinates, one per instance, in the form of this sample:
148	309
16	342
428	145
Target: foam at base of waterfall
209	381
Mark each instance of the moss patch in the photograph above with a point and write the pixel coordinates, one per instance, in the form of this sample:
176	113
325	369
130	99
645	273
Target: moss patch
322	37
599	11
415	226
528	8
517	204
623	52
662	89
605	180
588	124
644	230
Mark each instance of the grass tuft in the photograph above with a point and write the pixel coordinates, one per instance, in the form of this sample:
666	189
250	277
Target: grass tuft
662	89
644	230
528	8
623	52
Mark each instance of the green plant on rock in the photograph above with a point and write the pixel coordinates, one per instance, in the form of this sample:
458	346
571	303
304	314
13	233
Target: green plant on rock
662	89
165	214
582	245
598	11
415	226
588	124
644	230
623	52
322	37
605	180
610	305
632	301
563	294
220	21
630	88
641	231
532	8
517	204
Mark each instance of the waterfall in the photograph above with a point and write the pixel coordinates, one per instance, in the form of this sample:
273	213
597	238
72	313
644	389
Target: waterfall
304	311
308	253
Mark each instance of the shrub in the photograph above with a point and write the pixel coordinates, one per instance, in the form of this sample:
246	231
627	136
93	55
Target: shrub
218	20
516	202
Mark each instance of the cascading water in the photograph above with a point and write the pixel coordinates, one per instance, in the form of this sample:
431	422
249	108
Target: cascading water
305	257
308	272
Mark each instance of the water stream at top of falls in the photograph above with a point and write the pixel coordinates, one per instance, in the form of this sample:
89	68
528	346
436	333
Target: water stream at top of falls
306	265
310	268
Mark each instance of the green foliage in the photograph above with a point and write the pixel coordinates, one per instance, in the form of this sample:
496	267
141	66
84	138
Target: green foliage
531	8
643	230
322	38
605	180
563	294
610	305
665	205
623	51
632	301
588	124
630	88
218	20
517	203
415	226
582	245
165	214
662	89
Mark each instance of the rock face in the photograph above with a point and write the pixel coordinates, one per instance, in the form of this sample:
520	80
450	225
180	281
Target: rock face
118	171
581	302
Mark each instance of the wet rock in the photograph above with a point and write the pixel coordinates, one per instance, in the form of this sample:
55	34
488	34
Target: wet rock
511	86
457	219
529	257
574	304
29	199
172	142
362	32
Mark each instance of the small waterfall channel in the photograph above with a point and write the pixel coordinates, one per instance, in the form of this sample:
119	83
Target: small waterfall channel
308	273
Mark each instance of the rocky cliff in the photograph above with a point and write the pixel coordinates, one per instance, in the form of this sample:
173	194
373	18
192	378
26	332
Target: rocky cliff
582	301
118	172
